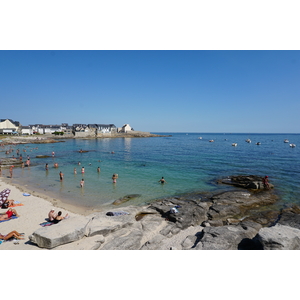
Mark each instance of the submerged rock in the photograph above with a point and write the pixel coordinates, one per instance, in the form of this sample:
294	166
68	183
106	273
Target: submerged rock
125	199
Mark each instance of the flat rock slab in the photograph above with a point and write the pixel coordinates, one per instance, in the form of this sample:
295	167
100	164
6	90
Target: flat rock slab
66	231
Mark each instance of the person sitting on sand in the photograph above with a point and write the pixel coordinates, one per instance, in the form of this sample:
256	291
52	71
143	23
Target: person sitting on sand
11	212
12	234
162	180
52	215
58	218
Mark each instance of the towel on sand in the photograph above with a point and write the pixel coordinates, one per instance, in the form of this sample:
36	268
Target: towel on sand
117	213
47	223
13	217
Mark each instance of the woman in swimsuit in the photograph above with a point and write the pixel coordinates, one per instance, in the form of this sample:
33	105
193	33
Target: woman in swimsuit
59	218
11	212
14	234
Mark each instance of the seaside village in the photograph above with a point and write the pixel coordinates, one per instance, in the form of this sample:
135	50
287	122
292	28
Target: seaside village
10	127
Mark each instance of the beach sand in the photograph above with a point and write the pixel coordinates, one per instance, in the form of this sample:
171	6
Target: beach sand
33	212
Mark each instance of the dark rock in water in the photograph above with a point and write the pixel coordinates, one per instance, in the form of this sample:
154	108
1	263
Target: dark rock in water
42	156
125	199
245	181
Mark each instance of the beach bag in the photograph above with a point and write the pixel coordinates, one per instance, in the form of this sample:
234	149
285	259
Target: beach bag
5	205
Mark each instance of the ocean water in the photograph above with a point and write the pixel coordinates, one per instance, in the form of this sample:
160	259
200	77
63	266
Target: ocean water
189	165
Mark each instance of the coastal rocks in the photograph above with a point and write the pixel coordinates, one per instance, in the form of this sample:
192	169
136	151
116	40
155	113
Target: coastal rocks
226	237
290	217
190	212
42	156
279	237
67	231
245	181
228	206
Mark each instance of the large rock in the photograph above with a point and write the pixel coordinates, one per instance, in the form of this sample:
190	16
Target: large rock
227	237
246	181
66	231
235	204
125	240
190	212
290	217
279	237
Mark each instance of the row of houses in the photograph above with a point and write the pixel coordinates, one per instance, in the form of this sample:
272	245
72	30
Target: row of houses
8	126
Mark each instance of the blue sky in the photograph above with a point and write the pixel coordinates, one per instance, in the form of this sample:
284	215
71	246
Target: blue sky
156	91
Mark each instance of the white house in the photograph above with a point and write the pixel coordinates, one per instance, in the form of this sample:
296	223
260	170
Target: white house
126	128
8	126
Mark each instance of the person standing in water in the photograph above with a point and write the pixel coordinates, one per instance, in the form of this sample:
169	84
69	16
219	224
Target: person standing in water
98	169
114	178
82	183
61	176
162	180
82	170
75	171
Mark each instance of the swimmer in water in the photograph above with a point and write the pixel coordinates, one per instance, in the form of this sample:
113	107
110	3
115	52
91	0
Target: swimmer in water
162	180
82	183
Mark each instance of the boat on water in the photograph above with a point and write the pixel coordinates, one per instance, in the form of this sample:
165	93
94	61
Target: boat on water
258	143
293	145
286	141
234	144
200	137
248	140
211	141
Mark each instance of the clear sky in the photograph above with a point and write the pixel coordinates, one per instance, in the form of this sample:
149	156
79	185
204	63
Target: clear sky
157	91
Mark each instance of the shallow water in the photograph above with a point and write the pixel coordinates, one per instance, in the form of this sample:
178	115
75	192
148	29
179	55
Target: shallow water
188	164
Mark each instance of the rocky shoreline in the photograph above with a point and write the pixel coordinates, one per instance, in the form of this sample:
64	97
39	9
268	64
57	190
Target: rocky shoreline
243	219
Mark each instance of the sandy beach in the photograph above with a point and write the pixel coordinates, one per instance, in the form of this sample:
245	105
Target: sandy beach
33	212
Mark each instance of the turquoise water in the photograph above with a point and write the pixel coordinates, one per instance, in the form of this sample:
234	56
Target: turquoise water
189	164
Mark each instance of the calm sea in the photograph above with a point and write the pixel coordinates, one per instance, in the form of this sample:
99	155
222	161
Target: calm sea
189	165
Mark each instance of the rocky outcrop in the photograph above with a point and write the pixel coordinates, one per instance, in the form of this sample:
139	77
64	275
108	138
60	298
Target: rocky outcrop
279	237
245	181
66	231
226	221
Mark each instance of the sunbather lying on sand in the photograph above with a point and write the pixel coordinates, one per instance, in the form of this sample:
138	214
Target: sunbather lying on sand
6	216
14	234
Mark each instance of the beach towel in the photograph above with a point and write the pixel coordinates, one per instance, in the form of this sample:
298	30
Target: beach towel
117	213
26	194
13	217
16	204
4	196
47	223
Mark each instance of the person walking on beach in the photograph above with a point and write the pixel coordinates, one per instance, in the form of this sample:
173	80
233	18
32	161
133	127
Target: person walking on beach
162	180
61	176
11	170
28	162
82	183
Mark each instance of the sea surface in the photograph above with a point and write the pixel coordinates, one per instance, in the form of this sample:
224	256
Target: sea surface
188	162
